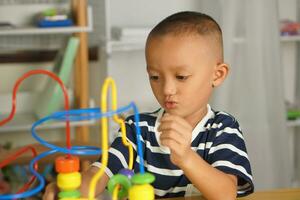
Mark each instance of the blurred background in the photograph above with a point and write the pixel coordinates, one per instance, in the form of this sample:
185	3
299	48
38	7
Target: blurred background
261	44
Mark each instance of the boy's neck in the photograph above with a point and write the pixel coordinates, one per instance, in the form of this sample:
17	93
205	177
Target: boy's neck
196	117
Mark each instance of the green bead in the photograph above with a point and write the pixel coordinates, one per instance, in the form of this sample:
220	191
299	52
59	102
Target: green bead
123	181
145	178
69	194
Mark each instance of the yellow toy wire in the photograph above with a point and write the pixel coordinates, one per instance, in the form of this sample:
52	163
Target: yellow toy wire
104	130
115	192
124	138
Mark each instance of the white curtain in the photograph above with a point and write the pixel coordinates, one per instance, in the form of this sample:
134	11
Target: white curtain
253	92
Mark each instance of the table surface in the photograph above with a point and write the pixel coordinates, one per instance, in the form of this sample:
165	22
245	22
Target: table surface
280	194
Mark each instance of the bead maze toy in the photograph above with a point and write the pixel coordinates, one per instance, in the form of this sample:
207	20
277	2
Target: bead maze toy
125	184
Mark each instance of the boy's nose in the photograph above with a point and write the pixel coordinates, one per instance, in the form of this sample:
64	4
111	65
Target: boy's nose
169	88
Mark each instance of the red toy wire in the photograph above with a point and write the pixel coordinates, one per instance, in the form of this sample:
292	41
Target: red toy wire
12	113
14	156
66	98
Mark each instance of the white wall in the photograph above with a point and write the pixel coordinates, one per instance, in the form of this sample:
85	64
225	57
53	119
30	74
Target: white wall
145	13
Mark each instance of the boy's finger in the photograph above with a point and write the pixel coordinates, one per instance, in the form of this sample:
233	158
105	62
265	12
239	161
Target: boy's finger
51	191
179	120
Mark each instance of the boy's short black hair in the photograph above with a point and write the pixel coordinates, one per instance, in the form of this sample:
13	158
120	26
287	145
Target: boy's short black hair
189	22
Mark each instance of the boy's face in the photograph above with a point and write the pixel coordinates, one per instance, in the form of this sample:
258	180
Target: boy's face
181	73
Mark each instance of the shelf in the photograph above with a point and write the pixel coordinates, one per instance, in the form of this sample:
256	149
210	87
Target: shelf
23	122
119	45
25	117
293	123
139	44
116	45
39	55
27	157
289	38
53	30
13	2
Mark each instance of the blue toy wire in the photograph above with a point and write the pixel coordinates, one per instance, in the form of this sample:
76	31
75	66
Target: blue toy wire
138	135
75	115
92	113
37	189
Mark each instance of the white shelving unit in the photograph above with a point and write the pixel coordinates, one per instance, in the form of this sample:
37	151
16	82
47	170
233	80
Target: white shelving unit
23	120
289	9
53	30
289	44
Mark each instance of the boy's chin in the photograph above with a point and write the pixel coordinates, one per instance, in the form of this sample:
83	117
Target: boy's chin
173	112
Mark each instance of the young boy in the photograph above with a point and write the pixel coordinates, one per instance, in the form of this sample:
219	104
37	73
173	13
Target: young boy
187	146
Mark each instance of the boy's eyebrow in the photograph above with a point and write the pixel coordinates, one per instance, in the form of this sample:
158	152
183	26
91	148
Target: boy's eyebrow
175	67
150	68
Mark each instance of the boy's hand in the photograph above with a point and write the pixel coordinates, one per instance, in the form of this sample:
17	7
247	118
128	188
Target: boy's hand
176	133
50	192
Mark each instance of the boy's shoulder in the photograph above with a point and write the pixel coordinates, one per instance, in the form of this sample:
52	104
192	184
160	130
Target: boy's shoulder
222	120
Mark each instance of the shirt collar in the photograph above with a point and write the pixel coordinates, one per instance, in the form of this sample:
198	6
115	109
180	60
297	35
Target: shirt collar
200	127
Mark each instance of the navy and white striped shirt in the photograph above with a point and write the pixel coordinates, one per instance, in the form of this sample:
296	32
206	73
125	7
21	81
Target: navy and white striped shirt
217	138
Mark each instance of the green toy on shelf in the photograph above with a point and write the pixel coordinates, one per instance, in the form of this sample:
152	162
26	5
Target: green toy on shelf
293	114
52	97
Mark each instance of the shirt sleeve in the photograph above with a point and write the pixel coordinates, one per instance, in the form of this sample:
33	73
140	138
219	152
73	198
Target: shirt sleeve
228	154
118	153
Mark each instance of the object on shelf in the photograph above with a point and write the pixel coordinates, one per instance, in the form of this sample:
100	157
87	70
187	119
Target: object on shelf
293	110
54	18
51	99
6	25
293	114
130	33
289	27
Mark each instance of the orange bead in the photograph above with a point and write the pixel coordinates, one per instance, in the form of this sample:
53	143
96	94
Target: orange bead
67	164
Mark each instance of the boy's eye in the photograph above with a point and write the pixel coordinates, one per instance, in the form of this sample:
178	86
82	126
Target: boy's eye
179	77
154	78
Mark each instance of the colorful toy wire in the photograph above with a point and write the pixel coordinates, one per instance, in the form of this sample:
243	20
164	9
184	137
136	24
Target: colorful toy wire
12	113
75	115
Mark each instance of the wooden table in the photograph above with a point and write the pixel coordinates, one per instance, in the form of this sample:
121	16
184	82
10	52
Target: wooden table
281	194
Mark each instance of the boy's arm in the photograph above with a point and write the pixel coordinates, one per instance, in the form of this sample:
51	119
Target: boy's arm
52	190
176	133
213	183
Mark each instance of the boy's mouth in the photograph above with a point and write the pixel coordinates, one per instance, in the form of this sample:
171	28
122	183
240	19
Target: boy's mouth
170	104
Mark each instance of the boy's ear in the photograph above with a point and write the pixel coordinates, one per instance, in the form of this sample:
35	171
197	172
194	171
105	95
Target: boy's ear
220	73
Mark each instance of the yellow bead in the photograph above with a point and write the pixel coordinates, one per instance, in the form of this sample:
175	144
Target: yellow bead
138	192
68	181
